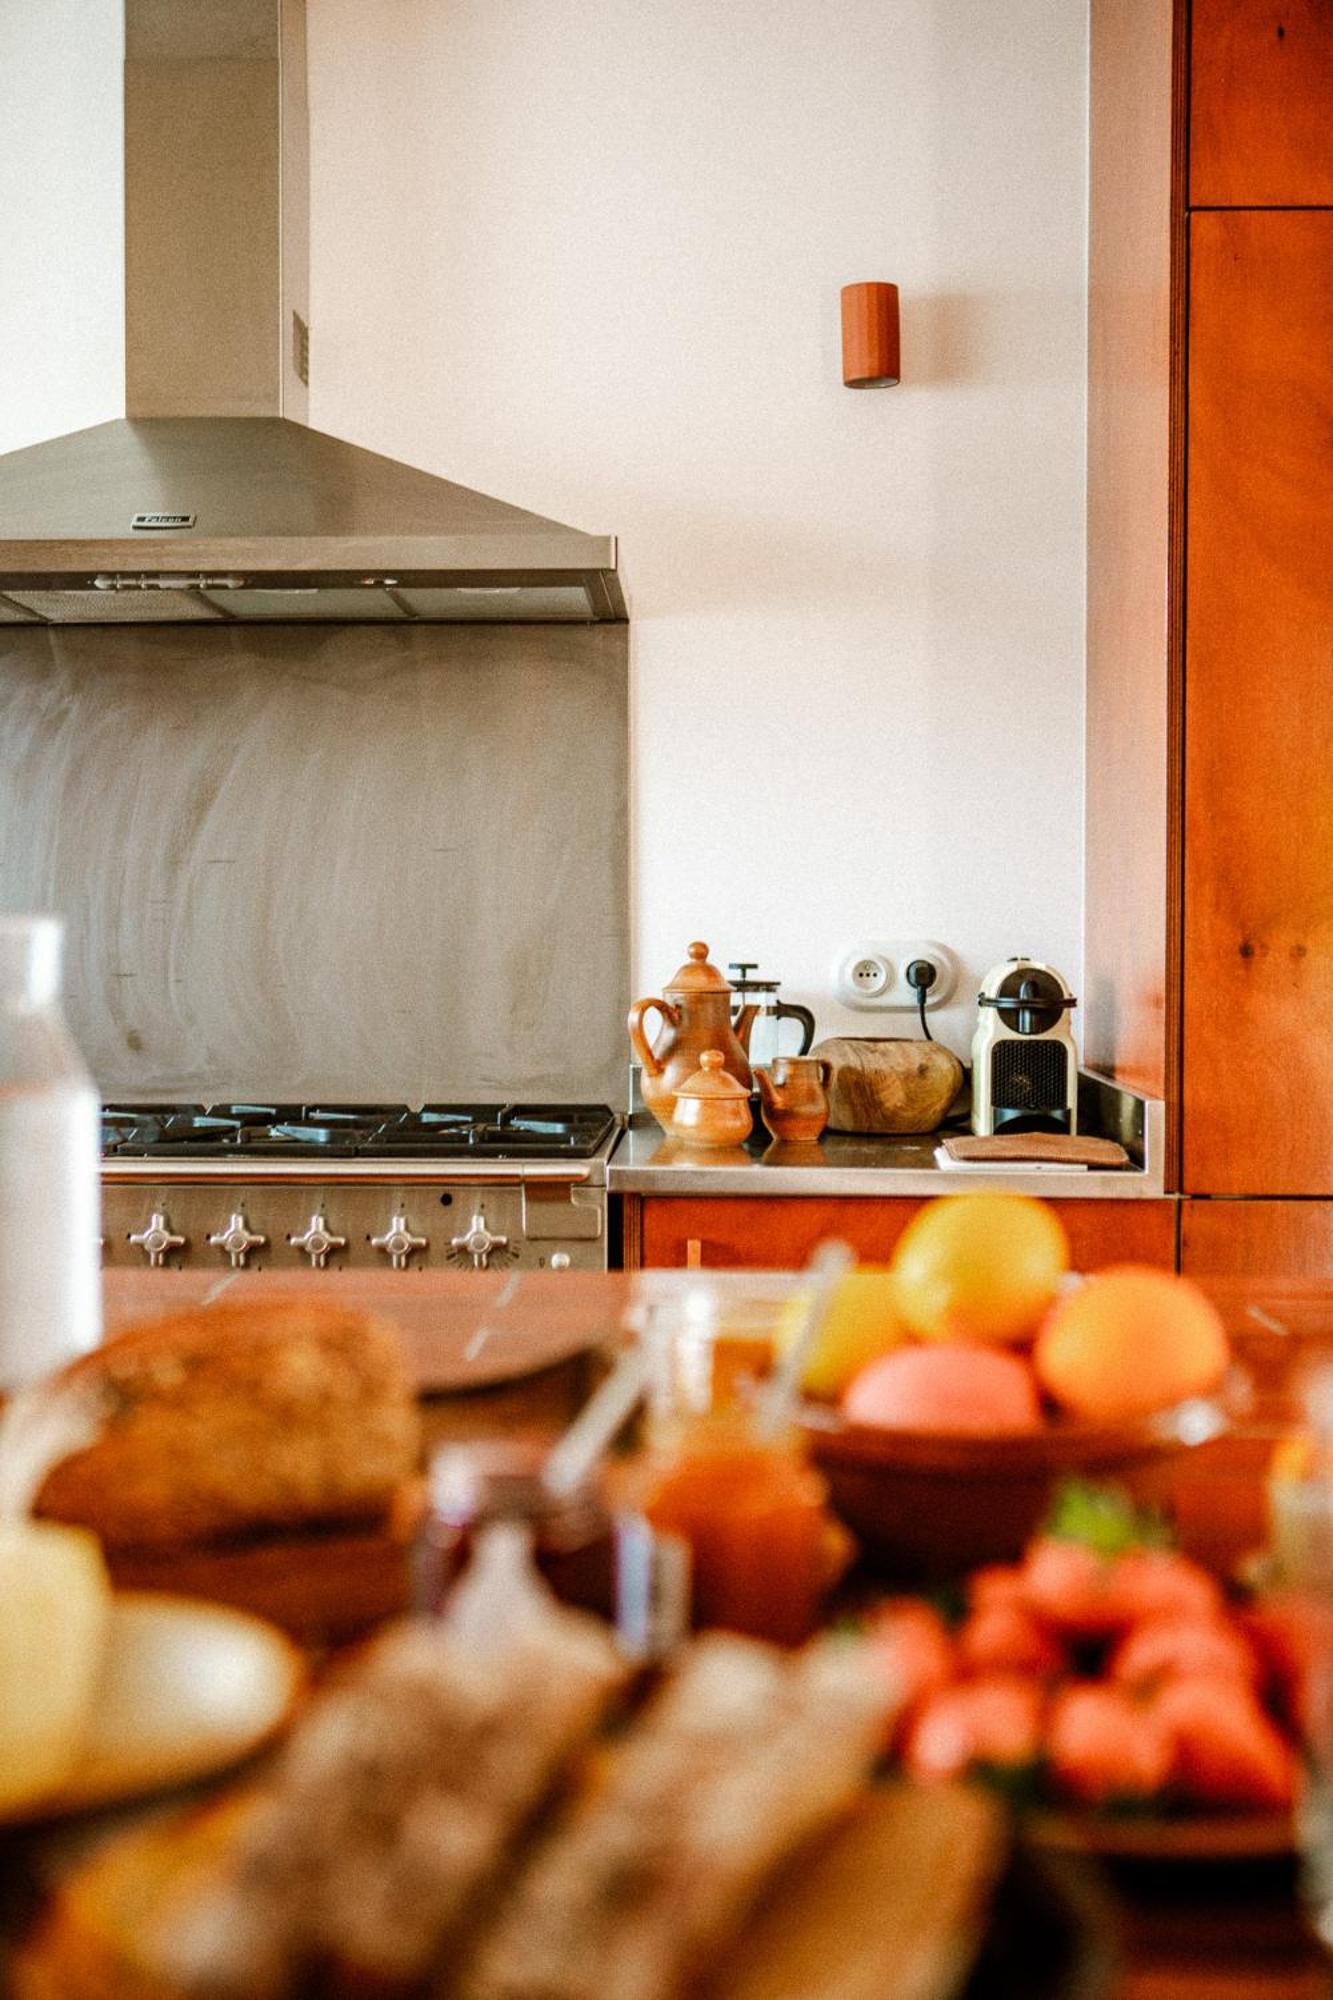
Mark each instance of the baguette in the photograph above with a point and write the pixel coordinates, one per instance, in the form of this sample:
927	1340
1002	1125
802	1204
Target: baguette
237	1420
410	1832
742	1758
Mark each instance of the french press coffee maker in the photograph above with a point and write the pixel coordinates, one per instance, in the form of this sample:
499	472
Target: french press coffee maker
767	1038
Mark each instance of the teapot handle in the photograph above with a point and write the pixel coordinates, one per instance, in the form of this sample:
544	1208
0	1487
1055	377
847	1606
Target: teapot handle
806	1019
638	1039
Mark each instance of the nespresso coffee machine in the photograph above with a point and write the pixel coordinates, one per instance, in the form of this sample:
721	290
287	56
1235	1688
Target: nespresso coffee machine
1024	1060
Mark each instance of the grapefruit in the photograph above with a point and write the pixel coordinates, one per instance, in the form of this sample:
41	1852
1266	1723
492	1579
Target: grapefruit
979	1267
1130	1341
969	1391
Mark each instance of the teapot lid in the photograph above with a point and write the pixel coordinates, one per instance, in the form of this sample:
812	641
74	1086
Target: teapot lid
712	1080
697	975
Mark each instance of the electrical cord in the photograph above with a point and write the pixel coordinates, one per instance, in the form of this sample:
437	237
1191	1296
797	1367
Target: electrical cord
921	977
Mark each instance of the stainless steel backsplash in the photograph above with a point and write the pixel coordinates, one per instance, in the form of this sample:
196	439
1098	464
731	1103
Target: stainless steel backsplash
339	862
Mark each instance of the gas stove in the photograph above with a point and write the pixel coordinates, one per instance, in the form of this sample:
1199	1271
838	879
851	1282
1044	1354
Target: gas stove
328	1186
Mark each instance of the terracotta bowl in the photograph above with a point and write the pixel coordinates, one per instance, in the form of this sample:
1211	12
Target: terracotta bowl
930	1507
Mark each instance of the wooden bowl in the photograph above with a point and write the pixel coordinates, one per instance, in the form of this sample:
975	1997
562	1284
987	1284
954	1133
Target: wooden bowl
929	1506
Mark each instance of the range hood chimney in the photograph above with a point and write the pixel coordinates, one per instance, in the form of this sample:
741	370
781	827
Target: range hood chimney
212	500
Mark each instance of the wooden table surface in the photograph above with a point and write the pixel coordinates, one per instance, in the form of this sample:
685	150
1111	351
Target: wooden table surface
1229	1932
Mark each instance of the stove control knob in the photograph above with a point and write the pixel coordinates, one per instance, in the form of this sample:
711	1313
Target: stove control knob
157	1238
477	1242
317	1239
559	1260
237	1239
398	1242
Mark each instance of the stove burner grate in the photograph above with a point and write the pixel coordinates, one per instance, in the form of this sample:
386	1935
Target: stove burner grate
351	1131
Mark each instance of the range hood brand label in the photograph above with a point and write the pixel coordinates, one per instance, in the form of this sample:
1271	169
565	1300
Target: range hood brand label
163	521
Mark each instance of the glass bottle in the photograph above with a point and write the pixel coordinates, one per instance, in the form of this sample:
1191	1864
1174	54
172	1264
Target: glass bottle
50	1197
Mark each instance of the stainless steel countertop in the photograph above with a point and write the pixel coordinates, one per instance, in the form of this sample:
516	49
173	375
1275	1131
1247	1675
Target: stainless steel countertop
647	1161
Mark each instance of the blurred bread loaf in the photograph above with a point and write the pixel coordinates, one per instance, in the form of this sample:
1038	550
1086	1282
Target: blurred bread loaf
240	1418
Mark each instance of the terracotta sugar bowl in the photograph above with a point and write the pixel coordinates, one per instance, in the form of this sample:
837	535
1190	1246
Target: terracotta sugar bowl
711	1108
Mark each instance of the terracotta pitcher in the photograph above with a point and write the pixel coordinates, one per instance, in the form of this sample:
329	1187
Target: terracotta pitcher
793	1093
696	1013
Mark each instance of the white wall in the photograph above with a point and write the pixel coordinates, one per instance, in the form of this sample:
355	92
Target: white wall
62	348
586	255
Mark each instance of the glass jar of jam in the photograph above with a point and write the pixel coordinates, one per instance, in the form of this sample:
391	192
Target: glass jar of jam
470	1485
752	1510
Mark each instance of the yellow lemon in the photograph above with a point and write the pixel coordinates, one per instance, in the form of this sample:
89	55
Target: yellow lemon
979	1267
860	1325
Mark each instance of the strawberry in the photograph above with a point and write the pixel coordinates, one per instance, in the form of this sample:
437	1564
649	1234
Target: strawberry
1227	1751
1164	1648
1101	1745
1093	1596
994	1721
911	1642
1068	1586
1161	1583
997	1583
1006	1638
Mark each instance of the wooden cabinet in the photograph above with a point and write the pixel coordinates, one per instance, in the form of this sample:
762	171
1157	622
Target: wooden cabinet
776	1233
1261	103
1209	883
1258	856
1257	1240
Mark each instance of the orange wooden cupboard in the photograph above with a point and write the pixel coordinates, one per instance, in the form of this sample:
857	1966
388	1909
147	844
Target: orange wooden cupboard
766	1232
1210	608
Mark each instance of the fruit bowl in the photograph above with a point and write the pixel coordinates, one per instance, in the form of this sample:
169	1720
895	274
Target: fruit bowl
929	1505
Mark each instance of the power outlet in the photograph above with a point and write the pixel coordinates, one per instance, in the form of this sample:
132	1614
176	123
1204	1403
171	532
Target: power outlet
875	975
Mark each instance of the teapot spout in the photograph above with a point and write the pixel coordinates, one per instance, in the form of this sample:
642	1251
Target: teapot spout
743	1024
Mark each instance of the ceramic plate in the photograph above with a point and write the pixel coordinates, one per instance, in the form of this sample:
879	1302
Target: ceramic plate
187	1689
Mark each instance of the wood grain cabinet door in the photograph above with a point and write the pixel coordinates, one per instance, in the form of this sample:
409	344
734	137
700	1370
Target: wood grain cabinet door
779	1233
1261	103
1258	946
1258	1240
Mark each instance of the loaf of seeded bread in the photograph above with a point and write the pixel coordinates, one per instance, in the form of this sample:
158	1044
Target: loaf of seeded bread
237	1419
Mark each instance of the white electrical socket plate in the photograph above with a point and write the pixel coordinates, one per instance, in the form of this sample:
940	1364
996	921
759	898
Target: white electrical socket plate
875	975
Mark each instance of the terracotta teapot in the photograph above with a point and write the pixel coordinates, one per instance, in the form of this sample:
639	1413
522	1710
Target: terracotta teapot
711	1108
696	1013
793	1094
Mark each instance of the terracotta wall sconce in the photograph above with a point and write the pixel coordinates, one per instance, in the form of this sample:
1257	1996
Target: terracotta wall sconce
869	335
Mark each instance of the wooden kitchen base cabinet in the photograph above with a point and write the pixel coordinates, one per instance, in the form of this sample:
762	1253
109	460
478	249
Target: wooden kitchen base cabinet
1258	1240
776	1233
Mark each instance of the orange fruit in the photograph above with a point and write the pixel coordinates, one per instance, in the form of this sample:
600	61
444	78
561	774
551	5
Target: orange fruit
968	1390
979	1267
1130	1341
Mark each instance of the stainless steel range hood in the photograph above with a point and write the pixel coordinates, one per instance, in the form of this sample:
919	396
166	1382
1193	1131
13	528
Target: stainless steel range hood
212	500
